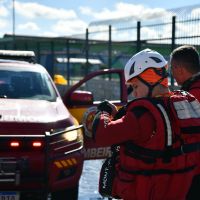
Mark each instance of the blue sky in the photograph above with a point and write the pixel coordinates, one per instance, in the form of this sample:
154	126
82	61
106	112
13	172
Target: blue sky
68	17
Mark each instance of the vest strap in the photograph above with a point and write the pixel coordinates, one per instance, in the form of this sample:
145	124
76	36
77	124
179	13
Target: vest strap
191	130
150	155
158	171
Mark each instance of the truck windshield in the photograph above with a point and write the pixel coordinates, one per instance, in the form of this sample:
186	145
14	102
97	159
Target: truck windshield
26	85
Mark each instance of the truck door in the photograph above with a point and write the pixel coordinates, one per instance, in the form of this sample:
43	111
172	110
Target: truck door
82	100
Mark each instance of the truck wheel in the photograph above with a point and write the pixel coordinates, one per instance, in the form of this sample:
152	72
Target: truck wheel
69	194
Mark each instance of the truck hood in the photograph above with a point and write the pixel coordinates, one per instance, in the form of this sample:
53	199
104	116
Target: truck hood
34	114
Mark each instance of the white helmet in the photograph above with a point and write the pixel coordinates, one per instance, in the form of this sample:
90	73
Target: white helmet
141	61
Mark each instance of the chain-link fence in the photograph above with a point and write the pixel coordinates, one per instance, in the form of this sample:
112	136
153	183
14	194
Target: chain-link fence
109	46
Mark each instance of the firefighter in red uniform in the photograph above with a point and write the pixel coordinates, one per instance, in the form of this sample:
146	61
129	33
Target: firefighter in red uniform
157	138
185	67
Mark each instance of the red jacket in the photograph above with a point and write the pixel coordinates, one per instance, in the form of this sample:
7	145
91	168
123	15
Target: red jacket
142	173
192	85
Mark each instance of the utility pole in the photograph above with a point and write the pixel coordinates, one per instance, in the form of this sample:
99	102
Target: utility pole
13	19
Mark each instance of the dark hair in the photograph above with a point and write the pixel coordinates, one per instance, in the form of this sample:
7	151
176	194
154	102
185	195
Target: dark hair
188	56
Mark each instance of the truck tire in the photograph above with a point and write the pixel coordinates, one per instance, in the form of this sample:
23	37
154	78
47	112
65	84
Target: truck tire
69	194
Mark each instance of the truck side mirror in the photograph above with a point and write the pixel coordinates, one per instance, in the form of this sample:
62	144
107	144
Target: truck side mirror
79	97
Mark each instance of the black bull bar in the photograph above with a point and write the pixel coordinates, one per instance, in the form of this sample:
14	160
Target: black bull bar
10	167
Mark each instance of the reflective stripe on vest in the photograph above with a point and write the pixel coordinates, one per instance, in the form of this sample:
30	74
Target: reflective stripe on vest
187	109
168	124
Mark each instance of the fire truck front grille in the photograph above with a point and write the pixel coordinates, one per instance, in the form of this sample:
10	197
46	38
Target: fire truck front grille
10	170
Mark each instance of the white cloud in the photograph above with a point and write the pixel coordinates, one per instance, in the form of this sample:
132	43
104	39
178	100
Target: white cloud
147	32
184	29
69	27
4	27
50	34
35	10
138	11
3	24
86	11
195	12
48	21
30	26
3	11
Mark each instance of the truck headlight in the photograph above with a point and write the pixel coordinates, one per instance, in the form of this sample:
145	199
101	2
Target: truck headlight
74	134
71	135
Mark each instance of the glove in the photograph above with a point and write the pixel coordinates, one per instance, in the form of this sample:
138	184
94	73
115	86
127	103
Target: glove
120	113
107	107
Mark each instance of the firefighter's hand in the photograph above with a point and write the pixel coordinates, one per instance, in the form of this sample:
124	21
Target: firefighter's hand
107	107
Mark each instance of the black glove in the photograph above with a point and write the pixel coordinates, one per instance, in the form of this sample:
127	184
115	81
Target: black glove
121	112
107	107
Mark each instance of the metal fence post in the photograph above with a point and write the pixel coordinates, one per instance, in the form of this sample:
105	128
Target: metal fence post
68	61
173	43
51	70
173	32
110	48
38	52
86	51
138	48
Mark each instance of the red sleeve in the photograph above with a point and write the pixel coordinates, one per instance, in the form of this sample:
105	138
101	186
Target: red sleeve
195	93
127	128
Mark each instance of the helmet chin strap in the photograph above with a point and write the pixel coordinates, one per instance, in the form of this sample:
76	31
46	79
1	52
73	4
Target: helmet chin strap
150	87
163	75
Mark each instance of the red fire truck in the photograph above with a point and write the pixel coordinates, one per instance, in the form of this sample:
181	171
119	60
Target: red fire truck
40	141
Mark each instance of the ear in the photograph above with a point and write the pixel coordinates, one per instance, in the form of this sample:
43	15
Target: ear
183	70
180	70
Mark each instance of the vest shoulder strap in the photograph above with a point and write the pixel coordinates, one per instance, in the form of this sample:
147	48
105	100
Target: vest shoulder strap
159	108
